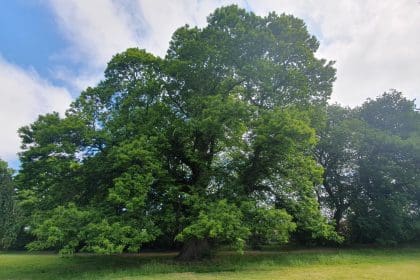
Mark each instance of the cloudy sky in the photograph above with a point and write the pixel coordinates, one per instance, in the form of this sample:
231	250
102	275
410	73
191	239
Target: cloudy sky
50	50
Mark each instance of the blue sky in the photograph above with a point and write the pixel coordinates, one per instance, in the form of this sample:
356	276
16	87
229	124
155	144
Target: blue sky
50	50
29	35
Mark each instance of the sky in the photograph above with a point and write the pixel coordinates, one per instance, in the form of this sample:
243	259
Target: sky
51	50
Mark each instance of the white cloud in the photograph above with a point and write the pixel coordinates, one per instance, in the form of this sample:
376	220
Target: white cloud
77	81
98	29
24	95
95	29
375	43
164	17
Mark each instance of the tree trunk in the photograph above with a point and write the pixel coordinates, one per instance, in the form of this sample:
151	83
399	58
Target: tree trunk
194	249
338	215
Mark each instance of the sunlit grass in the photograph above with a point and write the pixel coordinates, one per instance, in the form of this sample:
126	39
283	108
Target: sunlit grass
312	264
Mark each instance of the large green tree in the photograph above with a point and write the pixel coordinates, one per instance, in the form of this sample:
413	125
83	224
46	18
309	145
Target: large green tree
9	213
211	144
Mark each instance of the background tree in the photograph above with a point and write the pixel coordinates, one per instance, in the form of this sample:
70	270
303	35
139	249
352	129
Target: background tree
372	164
386	207
9	214
337	152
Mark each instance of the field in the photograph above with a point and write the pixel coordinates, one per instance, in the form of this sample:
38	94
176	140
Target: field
299	264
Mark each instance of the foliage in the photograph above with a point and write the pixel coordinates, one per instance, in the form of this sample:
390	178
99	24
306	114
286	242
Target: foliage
218	220
267	225
371	160
388	191
9	212
337	153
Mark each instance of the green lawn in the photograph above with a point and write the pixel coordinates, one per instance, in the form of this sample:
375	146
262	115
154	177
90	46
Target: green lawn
310	264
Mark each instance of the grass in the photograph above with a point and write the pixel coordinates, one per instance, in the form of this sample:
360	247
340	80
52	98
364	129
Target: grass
308	264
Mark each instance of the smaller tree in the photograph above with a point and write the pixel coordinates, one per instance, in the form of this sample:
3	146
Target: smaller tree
9	225
371	157
387	195
337	153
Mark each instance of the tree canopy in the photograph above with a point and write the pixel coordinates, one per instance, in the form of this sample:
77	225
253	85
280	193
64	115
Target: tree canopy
371	158
209	145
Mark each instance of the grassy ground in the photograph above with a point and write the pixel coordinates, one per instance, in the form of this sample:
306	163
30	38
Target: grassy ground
310	264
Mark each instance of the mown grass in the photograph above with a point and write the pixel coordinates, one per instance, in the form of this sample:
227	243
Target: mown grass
308	264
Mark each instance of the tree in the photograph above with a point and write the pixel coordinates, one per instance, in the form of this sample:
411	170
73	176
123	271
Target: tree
188	149
9	222
337	152
371	160
386	204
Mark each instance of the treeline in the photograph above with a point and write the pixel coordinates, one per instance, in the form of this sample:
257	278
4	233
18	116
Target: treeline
227	140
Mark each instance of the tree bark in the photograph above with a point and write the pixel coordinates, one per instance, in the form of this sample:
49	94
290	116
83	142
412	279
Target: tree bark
194	249
338	215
